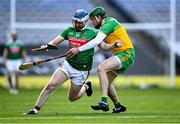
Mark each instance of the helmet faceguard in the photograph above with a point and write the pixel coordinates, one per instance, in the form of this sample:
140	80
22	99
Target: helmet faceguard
79	19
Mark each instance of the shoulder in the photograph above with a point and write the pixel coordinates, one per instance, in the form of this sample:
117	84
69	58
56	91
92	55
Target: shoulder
111	20
109	24
69	29
89	29
66	32
8	43
19	42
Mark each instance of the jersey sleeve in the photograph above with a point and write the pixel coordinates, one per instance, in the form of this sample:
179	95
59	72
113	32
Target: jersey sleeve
64	33
109	26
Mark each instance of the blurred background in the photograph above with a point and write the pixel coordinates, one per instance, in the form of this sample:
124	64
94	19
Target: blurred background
153	26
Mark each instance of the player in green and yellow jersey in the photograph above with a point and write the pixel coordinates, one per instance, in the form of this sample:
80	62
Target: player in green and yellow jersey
13	53
123	56
77	68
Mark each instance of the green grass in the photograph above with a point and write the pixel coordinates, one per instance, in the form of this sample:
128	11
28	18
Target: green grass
144	106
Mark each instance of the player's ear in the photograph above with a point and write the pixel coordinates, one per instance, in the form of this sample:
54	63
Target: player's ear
99	17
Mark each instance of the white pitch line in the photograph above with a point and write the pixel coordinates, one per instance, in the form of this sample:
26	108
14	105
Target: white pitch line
89	117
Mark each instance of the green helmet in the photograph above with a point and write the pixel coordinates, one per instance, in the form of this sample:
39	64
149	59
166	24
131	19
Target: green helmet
98	11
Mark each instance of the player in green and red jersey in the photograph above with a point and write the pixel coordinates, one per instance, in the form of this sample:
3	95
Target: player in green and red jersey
13	53
123	56
77	68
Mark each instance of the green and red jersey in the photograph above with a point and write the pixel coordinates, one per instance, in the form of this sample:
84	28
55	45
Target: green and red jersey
14	49
83	61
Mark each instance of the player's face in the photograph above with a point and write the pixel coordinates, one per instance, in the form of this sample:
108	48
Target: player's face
96	22
78	25
14	37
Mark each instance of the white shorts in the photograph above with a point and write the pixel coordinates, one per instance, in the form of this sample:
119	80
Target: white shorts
77	77
13	65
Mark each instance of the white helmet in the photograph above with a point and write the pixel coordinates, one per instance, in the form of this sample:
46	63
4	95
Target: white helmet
80	16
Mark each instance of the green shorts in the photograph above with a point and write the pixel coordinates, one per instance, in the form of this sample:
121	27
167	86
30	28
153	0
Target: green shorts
127	58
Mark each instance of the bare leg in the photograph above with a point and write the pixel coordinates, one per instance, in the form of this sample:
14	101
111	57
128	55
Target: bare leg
17	81
76	91
12	83
102	105
106	77
9	80
113	95
58	78
106	66
111	89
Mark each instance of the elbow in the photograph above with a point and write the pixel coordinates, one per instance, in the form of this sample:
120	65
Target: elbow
102	47
105	49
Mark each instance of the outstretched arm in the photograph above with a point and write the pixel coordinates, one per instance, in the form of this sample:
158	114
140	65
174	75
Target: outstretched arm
106	47
94	42
56	41
53	43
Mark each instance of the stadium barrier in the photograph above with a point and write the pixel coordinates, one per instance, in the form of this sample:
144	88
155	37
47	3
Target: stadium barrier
29	82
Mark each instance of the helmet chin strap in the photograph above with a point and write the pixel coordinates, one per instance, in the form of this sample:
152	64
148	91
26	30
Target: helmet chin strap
97	19
83	27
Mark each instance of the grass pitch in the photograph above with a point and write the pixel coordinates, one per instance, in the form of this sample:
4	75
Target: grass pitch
144	106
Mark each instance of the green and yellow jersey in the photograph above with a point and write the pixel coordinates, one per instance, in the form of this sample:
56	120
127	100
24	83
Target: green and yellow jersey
115	31
15	49
82	61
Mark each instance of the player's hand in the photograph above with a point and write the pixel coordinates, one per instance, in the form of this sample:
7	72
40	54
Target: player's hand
117	44
44	47
72	52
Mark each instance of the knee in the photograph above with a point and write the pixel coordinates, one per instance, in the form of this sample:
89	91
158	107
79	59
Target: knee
72	98
101	69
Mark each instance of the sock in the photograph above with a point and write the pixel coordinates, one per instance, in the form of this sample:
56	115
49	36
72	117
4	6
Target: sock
37	108
86	86
104	99
117	105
